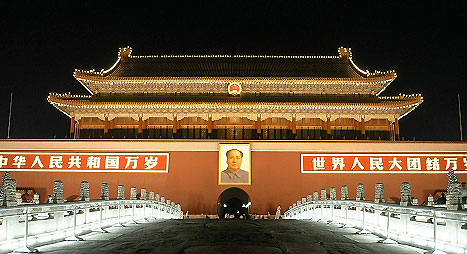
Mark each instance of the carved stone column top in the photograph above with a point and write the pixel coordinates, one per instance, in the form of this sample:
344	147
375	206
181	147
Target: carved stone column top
84	191
57	196
133	193
323	195
379	193
315	196
344	192
121	192
360	192
9	188
105	191
143	194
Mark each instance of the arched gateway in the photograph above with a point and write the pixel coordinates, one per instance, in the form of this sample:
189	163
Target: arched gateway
233	201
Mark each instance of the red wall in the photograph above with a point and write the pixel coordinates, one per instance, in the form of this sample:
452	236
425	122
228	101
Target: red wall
192	181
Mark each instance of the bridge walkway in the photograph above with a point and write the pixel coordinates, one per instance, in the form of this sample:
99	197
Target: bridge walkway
228	236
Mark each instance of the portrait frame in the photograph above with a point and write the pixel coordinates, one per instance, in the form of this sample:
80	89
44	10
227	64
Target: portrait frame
246	161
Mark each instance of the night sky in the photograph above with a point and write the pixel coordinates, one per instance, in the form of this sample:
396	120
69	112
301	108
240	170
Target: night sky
41	45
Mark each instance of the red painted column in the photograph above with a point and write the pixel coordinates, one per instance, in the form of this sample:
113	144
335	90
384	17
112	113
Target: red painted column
106	125
258	125
328	126
210	124
140	125
294	125
175	123
396	128
72	127
362	129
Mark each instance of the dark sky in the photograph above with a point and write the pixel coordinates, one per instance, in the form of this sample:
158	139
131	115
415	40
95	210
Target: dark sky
42	44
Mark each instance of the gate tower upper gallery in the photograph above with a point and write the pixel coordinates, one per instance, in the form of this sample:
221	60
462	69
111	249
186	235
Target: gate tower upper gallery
235	97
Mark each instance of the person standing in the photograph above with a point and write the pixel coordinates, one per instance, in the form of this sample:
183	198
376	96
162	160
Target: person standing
278	213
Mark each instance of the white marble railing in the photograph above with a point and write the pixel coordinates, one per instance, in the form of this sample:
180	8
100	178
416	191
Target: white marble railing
23	226
433	228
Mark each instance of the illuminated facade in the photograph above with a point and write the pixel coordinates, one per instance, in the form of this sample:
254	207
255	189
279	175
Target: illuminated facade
235	97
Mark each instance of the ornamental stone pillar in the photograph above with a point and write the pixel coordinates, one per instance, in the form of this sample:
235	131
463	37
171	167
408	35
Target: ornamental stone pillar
323	195
5	176
9	193
309	198
168	201
158	197
453	196
360	192
143	194
36	199
299	202
303	200
133	193
19	200
315	196
151	195
430	201
57	196
121	192
406	194
105	191
332	193
84	191
379	193
162	199
344	192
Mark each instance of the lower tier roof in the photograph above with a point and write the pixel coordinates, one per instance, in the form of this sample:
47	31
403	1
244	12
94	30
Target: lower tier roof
371	107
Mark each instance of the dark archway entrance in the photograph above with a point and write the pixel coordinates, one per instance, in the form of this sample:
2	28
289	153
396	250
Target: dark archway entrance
233	201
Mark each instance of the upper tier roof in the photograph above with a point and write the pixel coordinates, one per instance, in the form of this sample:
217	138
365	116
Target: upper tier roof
128	66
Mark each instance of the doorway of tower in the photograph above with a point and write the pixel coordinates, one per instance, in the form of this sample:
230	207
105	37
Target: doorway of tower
233	201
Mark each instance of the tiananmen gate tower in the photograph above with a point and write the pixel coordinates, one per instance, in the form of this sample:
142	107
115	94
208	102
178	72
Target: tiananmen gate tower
215	131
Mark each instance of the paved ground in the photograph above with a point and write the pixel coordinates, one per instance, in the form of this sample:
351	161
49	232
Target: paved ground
228	236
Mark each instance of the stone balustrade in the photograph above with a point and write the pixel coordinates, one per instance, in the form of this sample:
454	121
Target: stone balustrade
30	223
429	227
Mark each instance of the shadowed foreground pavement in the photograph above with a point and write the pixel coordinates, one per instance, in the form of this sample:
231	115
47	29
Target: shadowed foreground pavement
228	236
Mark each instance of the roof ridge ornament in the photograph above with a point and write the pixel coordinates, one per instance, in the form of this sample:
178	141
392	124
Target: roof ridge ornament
345	53
124	53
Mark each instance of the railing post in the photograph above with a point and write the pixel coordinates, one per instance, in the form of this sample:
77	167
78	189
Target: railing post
435	225
321	215
347	225
388	238
133	207
101	207
363	231
119	223
74	237
332	212
26	248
